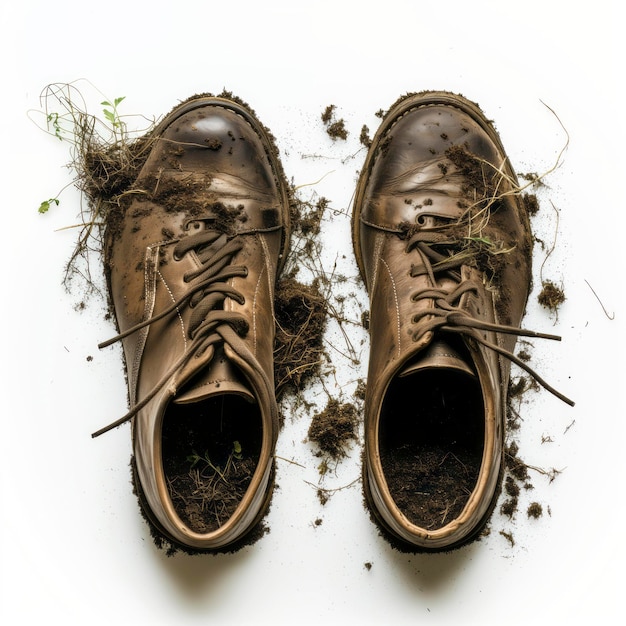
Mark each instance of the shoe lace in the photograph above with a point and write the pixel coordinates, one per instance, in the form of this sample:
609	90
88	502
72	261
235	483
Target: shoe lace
442	311
209	323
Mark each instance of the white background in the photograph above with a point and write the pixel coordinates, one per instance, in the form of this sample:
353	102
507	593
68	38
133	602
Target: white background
74	548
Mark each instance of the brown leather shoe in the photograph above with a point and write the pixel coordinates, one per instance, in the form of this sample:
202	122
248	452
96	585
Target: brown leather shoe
192	265
443	244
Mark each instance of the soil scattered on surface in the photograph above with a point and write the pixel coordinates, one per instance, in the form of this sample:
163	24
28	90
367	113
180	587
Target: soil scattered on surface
509	537
531	204
106	173
516	479
300	309
335	128
532	177
364	137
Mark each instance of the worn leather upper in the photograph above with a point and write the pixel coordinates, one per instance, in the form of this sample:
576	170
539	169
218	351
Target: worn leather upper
413	200
211	172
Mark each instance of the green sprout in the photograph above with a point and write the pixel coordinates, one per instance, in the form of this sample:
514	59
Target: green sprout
46	204
195	458
111	113
53	120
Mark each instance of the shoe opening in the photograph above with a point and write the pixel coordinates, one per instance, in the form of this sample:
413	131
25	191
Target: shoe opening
210	452
431	439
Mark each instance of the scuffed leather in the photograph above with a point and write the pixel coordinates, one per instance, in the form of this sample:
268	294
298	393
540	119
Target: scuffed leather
216	150
407	179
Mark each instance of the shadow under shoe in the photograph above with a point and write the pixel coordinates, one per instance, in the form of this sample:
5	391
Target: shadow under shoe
192	260
443	243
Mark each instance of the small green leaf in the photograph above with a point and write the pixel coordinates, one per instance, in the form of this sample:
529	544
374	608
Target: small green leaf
106	103
46	204
118	100
193	459
53	118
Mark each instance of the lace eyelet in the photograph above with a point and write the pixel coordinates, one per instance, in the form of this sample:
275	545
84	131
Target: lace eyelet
195	224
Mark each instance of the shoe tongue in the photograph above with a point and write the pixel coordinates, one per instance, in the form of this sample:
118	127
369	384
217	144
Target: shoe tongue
218	378
438	355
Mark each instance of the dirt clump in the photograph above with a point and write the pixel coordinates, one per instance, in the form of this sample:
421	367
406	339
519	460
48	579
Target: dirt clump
512	491
551	297
335	128
300	312
509	537
530	203
364	138
334	428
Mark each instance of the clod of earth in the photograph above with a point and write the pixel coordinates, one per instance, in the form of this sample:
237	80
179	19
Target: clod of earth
335	128
300	312
334	428
551	296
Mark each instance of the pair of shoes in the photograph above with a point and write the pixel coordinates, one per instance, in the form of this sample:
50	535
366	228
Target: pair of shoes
443	244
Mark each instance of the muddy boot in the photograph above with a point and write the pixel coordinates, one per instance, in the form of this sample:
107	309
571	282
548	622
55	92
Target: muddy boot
443	243
192	260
